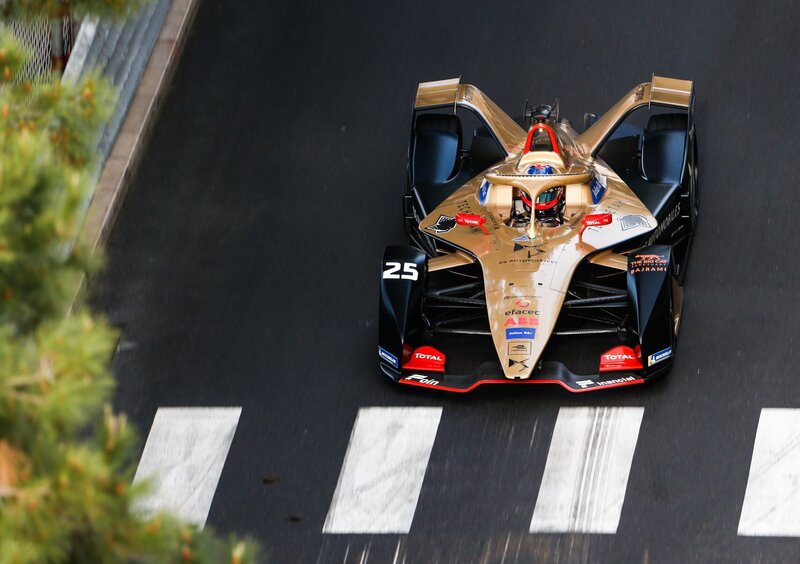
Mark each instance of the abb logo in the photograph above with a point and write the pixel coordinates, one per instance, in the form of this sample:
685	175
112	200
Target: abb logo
522	321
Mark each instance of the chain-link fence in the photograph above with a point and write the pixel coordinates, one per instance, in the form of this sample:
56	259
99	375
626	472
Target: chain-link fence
37	34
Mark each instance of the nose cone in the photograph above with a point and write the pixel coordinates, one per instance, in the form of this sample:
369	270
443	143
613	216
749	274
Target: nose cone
522	319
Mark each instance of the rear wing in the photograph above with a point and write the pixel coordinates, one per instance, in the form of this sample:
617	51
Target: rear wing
451	93
661	91
670	92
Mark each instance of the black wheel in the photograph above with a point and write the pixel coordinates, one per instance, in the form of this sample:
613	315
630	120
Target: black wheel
659	122
694	188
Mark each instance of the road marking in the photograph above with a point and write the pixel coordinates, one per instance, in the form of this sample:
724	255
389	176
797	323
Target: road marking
383	469
587	470
772	499
183	457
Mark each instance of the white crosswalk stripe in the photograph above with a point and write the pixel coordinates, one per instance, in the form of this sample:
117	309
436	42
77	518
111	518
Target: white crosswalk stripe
383	470
772	499
183	459
586	474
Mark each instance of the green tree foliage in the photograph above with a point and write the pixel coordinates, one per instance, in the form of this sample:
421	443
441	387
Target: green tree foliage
77	8
65	458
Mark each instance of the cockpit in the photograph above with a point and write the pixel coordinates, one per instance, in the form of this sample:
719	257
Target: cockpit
541	156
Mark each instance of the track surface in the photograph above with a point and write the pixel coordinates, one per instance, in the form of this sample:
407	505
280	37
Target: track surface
243	268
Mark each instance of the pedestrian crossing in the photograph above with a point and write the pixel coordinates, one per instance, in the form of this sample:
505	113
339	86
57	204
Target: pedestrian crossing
587	470
183	459
582	489
772	500
383	470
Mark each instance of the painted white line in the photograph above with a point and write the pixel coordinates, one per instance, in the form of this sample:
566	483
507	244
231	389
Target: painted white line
587	470
383	470
183	459
772	499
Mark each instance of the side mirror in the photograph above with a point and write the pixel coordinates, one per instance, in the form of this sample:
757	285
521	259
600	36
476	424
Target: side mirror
588	120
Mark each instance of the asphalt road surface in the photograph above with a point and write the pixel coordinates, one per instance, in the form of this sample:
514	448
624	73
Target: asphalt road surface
243	272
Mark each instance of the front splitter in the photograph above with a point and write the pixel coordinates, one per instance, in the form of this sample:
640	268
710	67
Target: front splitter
550	372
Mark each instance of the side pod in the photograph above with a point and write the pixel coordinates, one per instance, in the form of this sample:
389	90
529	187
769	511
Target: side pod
400	316
650	298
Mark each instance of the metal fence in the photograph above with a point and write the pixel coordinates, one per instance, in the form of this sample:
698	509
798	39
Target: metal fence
37	35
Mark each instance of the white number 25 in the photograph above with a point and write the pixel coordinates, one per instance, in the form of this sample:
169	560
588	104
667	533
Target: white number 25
392	271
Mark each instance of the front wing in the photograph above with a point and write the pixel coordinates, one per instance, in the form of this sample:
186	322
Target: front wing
549	372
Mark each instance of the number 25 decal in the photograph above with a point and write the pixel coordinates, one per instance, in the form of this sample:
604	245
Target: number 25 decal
392	271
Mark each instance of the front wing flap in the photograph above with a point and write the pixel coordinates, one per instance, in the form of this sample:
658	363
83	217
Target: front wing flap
549	372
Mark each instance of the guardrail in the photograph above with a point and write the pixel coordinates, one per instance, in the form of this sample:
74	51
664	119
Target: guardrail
121	51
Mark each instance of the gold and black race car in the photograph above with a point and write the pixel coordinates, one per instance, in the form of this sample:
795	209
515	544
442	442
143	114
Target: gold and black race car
536	254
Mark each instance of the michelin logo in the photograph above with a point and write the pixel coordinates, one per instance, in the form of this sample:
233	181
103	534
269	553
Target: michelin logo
388	357
659	356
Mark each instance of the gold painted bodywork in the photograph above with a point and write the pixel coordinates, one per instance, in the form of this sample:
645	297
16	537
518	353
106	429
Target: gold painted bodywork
527	271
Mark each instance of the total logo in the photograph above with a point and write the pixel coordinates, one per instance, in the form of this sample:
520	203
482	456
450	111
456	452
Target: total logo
522	321
423	356
618	357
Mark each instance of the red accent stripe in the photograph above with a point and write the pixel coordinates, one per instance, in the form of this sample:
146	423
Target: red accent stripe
550	133
481	382
548	205
540	206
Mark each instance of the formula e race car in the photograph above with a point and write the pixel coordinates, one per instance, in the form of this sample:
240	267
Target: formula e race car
536	254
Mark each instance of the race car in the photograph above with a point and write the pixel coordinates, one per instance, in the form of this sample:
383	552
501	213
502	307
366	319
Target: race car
535	254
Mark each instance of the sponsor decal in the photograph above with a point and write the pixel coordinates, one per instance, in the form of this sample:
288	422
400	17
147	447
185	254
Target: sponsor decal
483	192
659	356
598	188
594	220
519	348
522	312
522	320
537	169
472	220
521	296
388	357
525	243
589	383
532	251
520	333
663	225
444	224
427	359
520	363
639	93
392	271
522	303
422	379
633	221
621	358
647	263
